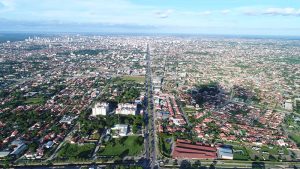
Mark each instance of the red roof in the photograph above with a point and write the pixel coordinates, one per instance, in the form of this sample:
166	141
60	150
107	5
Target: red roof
185	149
192	156
196	147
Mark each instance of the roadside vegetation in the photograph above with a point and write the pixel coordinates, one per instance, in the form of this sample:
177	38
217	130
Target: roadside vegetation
165	144
122	147
76	151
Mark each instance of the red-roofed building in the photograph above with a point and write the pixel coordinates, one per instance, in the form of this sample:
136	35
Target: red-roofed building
185	149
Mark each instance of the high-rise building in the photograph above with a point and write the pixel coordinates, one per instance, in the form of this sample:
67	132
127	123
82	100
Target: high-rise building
100	109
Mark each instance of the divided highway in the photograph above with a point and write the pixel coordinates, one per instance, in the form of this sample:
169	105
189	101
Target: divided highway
150	117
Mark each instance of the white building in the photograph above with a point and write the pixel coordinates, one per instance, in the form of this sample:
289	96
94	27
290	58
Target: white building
120	130
100	109
225	153
288	105
67	119
126	109
281	142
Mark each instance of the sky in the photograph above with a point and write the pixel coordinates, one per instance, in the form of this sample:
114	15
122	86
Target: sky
237	17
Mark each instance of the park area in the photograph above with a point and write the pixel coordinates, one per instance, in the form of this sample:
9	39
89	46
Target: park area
124	146
137	79
165	144
35	100
263	153
76	151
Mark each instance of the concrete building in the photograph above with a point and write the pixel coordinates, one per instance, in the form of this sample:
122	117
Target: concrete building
225	153
119	130
157	82
100	109
49	144
4	154
126	109
17	152
288	105
67	119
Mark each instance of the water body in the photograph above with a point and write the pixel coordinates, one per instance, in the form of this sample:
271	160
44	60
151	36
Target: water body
4	37
12	37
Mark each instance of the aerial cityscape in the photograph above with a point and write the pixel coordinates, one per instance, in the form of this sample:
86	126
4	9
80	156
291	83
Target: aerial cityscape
126	98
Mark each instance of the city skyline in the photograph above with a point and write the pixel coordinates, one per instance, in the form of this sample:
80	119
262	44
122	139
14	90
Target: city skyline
132	16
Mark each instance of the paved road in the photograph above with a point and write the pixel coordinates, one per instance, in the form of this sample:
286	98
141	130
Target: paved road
62	143
204	163
151	137
182	111
236	164
98	145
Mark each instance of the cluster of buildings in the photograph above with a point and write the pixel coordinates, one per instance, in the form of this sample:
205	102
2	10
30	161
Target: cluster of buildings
256	84
265	66
47	82
126	109
56	79
122	109
118	130
170	117
185	149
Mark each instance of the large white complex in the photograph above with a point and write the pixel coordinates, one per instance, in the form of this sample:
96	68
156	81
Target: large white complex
100	109
126	109
225	153
288	105
120	130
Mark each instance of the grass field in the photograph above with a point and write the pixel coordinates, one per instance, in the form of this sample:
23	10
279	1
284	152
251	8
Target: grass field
265	153
126	146
165	145
74	151
189	110
240	153
295	138
138	79
35	100
95	135
274	150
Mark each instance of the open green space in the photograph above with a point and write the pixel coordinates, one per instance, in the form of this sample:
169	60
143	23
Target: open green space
35	100
264	153
275	150
126	90
292	126
75	151
95	135
165	144
296	138
138	79
297	107
189	109
125	146
242	65
240	153
92	52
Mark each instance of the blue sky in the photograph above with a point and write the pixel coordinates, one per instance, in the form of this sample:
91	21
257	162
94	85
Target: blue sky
259	17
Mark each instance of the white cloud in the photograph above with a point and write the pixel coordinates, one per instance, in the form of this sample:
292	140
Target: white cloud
196	13
206	13
270	11
164	14
225	11
6	5
282	11
81	11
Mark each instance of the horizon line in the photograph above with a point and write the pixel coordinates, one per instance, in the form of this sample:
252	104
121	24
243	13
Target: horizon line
151	34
